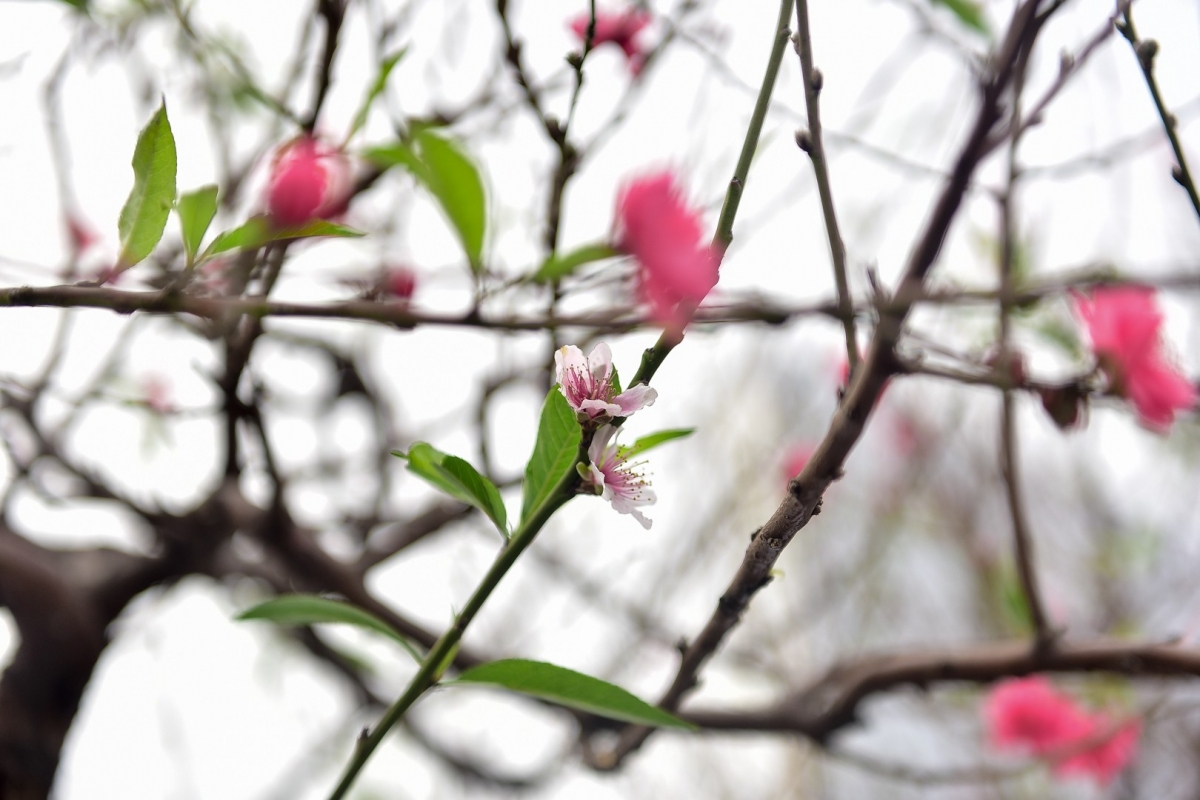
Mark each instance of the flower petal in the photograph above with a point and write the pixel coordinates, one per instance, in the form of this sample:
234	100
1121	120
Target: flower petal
633	399
600	363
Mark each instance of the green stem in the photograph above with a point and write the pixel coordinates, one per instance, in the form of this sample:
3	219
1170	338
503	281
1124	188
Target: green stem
653	357
442	651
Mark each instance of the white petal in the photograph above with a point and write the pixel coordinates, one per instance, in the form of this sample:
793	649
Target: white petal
566	359
640	517
634	398
596	452
600	362
600	407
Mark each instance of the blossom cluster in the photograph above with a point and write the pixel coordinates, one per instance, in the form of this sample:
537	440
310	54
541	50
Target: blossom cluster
1030	716
589	385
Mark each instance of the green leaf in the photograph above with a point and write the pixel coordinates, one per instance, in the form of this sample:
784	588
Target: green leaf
654	440
252	233
381	79
453	179
258	231
196	211
571	689
969	13
458	479
145	213
309	609
554	452
557	267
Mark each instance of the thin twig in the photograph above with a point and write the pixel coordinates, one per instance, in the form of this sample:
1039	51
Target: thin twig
1146	50
1010	365
810	141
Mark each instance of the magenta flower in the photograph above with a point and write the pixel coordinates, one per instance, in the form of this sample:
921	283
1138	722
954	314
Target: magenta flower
308	181
1124	324
677	267
1029	715
621	29
617	481
588	385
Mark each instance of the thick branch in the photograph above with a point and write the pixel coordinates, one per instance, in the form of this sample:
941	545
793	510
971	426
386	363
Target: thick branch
833	701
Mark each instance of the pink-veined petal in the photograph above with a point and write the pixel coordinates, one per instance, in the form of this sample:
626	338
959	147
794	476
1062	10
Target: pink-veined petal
634	398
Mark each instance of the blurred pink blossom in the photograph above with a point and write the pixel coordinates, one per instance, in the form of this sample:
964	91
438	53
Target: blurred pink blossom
400	283
677	267
1115	748
587	383
81	234
156	394
619	482
621	29
1029	715
1124	324
796	459
308	181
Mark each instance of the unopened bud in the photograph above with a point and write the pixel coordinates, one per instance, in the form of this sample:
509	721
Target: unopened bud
1147	49
400	283
818	80
1067	406
804	140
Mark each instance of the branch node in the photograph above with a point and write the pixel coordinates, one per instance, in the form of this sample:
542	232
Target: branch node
804	140
1146	50
817	81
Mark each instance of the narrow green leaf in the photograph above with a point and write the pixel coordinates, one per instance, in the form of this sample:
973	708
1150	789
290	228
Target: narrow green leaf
196	211
315	228
654	440
458	479
569	688
252	233
451	177
144	215
456	183
381	79
557	267
969	12
397	154
258	231
554	452
309	609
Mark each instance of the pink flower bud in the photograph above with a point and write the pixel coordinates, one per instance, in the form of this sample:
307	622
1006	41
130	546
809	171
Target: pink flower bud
308	181
400	283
